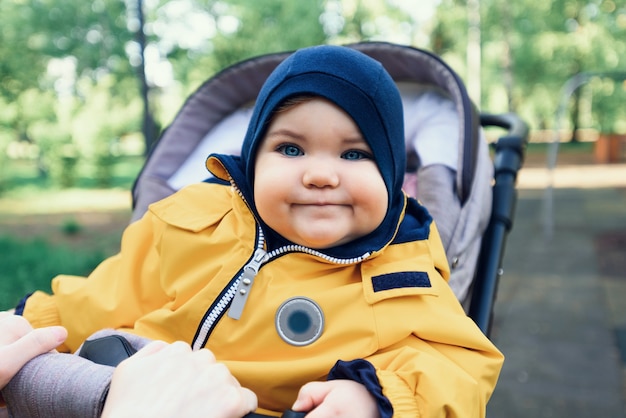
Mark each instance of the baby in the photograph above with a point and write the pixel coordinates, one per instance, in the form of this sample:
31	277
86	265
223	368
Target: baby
303	266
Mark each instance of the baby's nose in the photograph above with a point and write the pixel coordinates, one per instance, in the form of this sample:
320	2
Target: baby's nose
320	173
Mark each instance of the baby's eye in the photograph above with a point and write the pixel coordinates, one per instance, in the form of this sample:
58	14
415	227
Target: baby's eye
356	155
289	150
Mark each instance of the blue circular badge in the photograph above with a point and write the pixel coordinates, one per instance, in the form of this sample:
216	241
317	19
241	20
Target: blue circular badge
299	321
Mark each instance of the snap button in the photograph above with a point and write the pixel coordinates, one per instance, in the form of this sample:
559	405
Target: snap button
299	321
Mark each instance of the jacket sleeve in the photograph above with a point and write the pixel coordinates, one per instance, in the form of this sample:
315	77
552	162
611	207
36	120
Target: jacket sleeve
115	294
443	365
449	370
444	381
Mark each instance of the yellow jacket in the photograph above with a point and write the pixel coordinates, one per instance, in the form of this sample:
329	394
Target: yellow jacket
393	309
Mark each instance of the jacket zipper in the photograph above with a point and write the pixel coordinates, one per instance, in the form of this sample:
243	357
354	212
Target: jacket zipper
245	282
260	257
237	292
217	309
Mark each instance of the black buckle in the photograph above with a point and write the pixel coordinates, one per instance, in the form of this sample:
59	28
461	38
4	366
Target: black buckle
109	350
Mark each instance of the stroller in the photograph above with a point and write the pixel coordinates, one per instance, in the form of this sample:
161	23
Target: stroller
471	199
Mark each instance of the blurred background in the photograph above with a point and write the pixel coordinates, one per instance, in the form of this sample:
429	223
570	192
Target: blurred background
86	87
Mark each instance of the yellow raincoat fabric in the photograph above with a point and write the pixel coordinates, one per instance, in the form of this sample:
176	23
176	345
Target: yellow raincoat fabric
177	263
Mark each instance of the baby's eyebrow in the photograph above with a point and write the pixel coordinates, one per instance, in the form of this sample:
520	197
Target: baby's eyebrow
355	140
286	132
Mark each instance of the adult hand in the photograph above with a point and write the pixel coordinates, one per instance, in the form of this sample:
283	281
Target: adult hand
19	343
166	380
336	398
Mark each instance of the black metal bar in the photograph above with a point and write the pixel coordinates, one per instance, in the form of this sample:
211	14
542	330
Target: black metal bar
508	159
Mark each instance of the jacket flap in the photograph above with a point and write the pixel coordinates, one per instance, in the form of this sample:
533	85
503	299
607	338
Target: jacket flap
190	208
395	280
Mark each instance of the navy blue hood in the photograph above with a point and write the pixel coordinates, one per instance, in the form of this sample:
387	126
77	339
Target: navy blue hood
353	81
364	90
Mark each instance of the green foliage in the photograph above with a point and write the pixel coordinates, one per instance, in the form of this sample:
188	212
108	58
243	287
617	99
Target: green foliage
104	165
20	62
69	79
551	41
449	35
26	266
22	175
71	226
67	175
607	100
250	27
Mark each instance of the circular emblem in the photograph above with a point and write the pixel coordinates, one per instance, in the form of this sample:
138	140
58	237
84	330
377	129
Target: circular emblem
299	321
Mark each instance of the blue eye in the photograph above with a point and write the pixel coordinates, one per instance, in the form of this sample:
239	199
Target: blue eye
356	155
289	150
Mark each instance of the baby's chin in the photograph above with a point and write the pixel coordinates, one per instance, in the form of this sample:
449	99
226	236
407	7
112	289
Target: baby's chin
322	243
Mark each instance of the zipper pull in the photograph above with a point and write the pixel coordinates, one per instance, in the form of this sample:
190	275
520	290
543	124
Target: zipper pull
250	271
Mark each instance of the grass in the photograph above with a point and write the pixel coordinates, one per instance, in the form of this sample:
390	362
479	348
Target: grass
29	265
46	231
36	247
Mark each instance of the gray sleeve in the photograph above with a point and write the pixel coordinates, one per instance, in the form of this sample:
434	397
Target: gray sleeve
58	385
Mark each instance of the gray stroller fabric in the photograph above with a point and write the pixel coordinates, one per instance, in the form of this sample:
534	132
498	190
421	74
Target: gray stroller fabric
461	227
466	239
59	385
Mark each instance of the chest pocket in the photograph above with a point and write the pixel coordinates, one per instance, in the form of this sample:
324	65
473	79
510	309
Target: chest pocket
385	282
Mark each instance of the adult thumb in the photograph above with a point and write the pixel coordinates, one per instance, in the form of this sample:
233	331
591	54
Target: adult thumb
39	341
30	345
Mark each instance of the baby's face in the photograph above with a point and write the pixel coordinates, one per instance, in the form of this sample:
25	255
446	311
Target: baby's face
316	182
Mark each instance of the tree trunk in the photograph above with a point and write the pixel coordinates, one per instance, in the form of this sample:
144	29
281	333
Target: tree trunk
148	127
507	56
473	51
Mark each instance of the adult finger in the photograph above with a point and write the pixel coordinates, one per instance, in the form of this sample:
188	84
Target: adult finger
12	328
35	342
228	401
175	349
14	355
206	355
6	313
250	399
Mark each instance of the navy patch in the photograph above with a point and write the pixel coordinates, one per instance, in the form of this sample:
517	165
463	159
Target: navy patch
299	321
400	280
